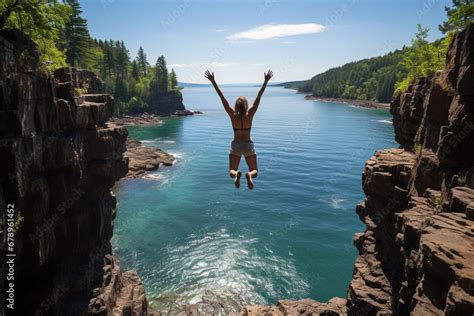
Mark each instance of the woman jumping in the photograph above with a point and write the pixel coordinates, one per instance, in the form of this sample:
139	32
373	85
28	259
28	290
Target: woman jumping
241	117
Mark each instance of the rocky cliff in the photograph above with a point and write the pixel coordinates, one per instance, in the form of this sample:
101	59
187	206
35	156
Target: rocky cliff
58	162
417	253
166	103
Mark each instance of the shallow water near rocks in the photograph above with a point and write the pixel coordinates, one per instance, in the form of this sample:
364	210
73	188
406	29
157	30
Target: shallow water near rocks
194	238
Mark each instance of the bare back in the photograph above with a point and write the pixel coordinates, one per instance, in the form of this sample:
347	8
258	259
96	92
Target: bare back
242	126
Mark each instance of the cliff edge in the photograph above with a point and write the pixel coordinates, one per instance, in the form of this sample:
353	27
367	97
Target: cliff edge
417	253
59	161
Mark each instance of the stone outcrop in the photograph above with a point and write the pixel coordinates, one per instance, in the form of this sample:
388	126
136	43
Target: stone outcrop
417	253
335	306
120	294
144	159
134	120
59	160
166	102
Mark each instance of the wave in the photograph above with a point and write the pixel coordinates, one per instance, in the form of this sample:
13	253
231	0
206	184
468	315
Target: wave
176	155
384	121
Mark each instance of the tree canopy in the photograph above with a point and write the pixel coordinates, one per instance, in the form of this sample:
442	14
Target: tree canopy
378	78
460	15
62	36
367	79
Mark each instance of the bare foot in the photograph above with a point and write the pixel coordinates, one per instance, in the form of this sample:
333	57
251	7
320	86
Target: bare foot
237	179
249	180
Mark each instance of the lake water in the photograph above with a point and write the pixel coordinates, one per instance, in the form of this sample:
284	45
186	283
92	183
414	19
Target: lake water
193	237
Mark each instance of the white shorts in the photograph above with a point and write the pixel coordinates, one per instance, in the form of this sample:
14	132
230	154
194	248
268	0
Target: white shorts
242	148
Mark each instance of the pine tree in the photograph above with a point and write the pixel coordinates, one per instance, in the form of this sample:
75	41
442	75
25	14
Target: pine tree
161	75
460	15
109	57
421	59
135	72
173	79
43	21
142	63
121	59
77	35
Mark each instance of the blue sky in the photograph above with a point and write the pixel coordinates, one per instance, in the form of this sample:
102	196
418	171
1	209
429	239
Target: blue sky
238	40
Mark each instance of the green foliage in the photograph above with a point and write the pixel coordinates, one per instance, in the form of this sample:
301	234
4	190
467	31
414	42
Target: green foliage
368	79
378	78
19	219
436	201
459	16
161	80
80	91
77	39
43	21
63	38
173	79
422	58
142	63
418	149
136	105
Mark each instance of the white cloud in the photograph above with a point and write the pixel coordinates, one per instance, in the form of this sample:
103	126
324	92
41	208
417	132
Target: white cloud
200	65
179	65
221	30
277	30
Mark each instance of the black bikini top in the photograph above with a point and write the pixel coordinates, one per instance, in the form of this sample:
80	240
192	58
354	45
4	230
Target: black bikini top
242	126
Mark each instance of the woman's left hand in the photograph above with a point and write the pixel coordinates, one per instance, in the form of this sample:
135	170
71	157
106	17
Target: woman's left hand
209	75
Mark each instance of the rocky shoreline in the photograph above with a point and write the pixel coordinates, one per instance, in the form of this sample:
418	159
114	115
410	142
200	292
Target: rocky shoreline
146	118
132	120
143	159
358	103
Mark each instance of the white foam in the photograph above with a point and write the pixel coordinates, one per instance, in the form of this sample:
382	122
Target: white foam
385	121
159	176
176	155
148	141
336	203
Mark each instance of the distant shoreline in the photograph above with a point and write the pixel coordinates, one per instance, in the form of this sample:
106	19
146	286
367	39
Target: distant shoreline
360	103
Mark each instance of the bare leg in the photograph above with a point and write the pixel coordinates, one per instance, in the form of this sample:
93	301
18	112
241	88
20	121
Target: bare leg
253	173
234	173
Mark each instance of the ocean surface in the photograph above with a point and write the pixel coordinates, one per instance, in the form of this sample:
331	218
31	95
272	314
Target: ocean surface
194	238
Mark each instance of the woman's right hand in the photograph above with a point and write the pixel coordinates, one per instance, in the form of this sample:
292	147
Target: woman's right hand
268	75
209	75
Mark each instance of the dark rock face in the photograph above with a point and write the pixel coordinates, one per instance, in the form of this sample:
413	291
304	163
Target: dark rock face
166	103
417	253
59	160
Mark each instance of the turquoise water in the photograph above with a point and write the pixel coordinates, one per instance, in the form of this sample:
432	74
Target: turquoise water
194	238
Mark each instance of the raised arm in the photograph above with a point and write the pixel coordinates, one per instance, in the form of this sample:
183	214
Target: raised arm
226	105
256	103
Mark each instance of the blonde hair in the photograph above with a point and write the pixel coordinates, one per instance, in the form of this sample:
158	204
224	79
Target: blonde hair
241	106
